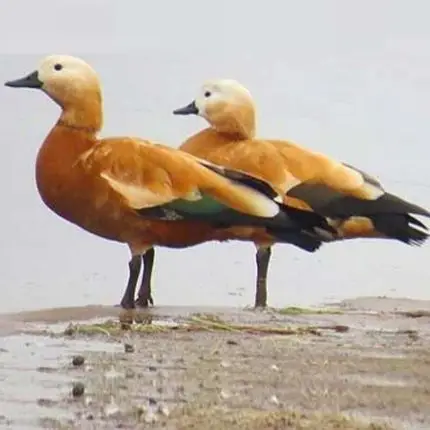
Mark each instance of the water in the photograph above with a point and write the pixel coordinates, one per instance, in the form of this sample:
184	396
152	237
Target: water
349	79
34	369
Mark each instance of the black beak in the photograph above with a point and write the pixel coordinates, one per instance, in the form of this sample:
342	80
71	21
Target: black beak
29	81
190	109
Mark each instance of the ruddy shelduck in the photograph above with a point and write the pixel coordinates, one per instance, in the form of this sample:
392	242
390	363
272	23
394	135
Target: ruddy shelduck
356	203
140	193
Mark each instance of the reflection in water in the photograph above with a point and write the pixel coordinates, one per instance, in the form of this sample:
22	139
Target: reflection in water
350	80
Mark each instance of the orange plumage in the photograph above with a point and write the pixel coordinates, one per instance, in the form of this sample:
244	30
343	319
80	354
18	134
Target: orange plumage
355	203
135	191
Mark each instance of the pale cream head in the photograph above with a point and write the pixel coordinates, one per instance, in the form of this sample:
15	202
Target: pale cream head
68	79
73	84
227	106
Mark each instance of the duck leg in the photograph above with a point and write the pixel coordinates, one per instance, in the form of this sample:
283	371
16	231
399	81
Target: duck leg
262	258
144	297
134	266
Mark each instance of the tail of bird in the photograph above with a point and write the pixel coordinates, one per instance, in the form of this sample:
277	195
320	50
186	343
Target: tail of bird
311	229
391	216
402	227
302	240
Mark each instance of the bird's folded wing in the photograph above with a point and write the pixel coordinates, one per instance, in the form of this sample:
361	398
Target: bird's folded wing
338	189
147	175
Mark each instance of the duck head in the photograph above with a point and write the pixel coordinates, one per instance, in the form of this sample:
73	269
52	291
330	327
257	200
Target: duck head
71	83
227	106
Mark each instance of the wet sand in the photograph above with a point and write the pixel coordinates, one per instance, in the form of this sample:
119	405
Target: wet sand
358	364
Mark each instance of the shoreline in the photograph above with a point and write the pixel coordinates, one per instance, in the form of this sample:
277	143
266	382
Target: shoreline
221	367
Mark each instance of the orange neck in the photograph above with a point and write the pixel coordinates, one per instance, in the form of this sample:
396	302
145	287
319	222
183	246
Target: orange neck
56	166
238	124
84	114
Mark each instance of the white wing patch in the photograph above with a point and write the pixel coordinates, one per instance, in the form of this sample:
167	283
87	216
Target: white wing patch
136	196
139	197
259	204
370	186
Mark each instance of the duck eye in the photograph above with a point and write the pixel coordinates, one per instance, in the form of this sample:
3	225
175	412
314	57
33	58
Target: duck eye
208	94
58	66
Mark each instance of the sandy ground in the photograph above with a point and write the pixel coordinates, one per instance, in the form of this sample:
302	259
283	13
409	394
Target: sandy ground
361	364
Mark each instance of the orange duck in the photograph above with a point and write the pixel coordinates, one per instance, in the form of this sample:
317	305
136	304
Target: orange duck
355	203
143	194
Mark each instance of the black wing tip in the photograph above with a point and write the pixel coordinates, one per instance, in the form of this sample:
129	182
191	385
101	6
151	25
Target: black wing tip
314	247
246	179
308	220
417	237
401	227
298	238
417	222
404	206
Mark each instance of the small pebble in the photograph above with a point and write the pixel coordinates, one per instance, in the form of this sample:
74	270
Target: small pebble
341	328
88	401
140	410
46	402
111	409
113	374
90	417
125	326
224	394
152	401
78	389
274	367
232	342
274	400
152	368
162	374
78	360
225	364
128	347
70	330
130	373
150	417
163	410
45	369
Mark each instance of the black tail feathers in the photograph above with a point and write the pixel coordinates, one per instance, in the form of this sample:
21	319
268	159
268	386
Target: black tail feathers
346	206
390	216
401	227
307	220
306	231
297	238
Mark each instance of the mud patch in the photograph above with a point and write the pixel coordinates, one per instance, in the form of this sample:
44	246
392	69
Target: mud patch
220	369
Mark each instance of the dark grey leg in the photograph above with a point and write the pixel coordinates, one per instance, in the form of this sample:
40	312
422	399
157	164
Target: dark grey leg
144	297
134	266
263	258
